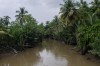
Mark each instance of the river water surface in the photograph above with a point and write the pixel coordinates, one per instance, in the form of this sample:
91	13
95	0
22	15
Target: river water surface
52	53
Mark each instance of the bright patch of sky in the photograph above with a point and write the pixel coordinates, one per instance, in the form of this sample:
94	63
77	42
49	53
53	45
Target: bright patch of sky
41	10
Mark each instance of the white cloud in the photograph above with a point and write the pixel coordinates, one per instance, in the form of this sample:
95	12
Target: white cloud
42	10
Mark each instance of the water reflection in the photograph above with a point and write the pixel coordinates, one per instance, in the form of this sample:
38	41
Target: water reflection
52	53
47	58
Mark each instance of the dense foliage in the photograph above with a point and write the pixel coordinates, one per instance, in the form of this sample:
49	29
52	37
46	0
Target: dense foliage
78	24
24	31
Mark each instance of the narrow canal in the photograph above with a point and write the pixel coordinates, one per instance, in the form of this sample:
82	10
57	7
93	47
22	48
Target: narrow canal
51	53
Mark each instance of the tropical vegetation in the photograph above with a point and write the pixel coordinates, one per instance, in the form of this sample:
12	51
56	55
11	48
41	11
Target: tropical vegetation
78	23
22	32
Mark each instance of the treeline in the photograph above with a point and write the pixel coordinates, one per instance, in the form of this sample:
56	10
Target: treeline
78	24
23	32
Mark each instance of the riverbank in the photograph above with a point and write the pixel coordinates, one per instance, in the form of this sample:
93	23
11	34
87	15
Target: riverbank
88	56
51	53
57	49
13	51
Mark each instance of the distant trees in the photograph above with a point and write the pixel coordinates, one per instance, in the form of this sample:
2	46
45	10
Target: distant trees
4	22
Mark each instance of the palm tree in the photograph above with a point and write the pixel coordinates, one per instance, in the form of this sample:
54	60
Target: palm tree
95	10
85	13
56	21
95	5
69	14
1	21
21	13
57	24
6	20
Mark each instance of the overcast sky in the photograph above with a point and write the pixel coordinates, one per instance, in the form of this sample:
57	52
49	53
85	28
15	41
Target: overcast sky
41	10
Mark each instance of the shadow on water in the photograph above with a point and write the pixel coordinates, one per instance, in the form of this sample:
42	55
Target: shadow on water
52	53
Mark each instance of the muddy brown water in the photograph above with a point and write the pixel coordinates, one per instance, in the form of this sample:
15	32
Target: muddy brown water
51	53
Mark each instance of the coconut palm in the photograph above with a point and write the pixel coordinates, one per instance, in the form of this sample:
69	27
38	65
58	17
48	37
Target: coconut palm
21	13
56	21
1	22
6	20
69	14
85	13
70	17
